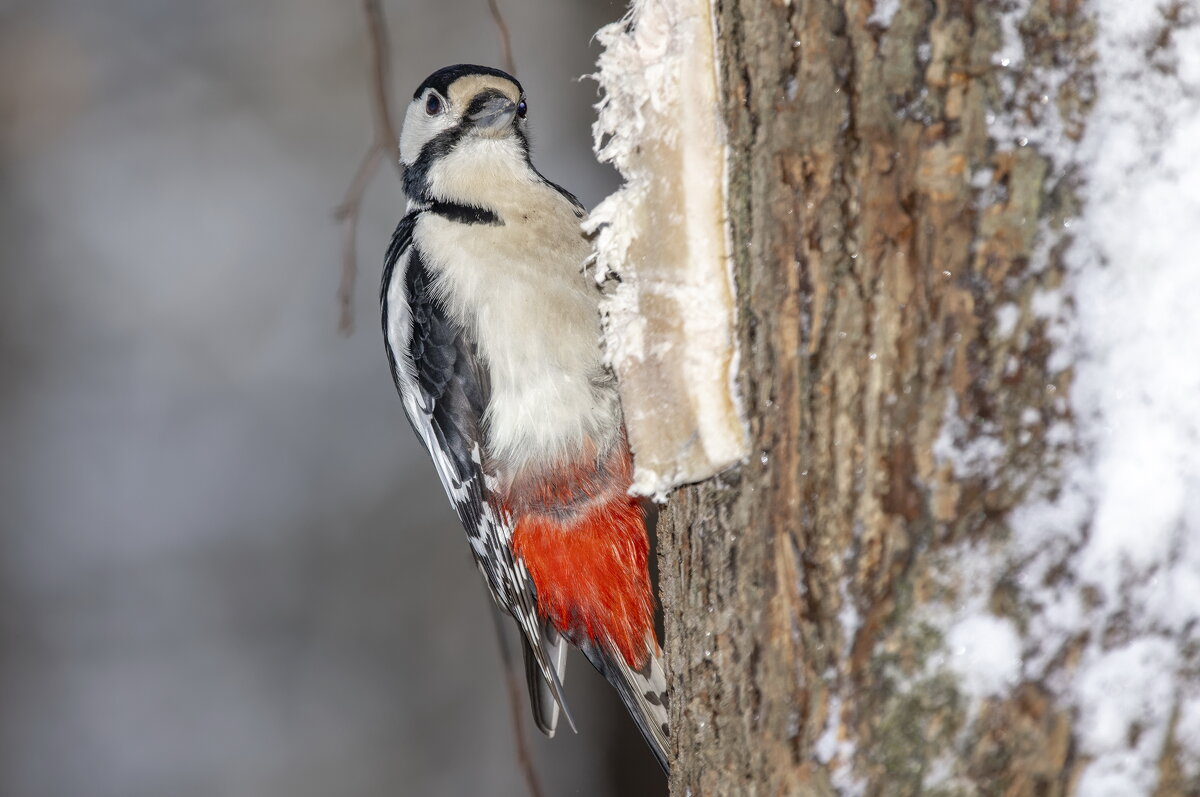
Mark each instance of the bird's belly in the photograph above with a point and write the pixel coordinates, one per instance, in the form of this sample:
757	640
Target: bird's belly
545	415
536	321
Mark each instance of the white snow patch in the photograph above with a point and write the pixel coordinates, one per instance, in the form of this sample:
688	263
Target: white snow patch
836	751
848	616
830	744
1116	689
942	774
968	455
884	12
982	649
1047	304
1033	91
1007	316
1011	52
986	654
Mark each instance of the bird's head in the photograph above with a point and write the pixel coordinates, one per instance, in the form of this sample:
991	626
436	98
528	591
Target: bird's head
464	122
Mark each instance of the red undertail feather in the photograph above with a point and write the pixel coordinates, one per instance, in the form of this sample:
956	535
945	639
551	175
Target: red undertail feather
583	540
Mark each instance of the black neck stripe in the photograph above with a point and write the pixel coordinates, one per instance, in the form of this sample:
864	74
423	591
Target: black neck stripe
464	214
416	174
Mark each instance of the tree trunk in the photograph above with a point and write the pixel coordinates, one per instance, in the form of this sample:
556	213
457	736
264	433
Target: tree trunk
896	377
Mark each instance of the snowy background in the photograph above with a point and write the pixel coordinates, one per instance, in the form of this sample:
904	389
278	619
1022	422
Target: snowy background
225	566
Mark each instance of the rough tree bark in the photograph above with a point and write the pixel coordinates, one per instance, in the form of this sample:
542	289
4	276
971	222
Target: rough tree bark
877	229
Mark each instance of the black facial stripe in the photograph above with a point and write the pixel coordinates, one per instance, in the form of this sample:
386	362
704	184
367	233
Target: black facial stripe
416	174
464	214
440	80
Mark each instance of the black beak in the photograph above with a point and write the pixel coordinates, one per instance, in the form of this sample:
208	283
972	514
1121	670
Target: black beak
491	111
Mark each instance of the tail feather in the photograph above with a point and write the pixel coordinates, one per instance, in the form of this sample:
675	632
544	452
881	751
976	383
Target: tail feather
542	697
644	693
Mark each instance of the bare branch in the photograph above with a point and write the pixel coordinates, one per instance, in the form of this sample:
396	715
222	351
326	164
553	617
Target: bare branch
510	65
381	81
384	145
347	216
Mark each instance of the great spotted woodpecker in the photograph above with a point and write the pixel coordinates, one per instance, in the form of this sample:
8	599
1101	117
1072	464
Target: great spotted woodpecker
493	336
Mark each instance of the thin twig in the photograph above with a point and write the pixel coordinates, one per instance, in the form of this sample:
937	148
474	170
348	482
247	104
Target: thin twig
510	66
347	215
381	83
515	705
384	145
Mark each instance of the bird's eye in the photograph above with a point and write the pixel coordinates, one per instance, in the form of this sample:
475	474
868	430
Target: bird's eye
522	108
433	105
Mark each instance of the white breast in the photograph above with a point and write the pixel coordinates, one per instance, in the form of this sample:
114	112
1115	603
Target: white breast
521	288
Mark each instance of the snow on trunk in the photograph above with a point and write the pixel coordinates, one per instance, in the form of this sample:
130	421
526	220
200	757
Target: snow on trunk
669	320
1109	556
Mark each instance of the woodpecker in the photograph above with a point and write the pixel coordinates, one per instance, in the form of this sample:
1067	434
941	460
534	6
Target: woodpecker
492	330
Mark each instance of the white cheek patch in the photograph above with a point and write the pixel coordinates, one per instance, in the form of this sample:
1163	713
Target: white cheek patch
420	128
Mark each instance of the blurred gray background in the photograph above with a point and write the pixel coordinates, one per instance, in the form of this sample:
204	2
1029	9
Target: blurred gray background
226	567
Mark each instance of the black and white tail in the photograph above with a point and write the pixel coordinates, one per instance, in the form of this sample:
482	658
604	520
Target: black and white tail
644	693
543	699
